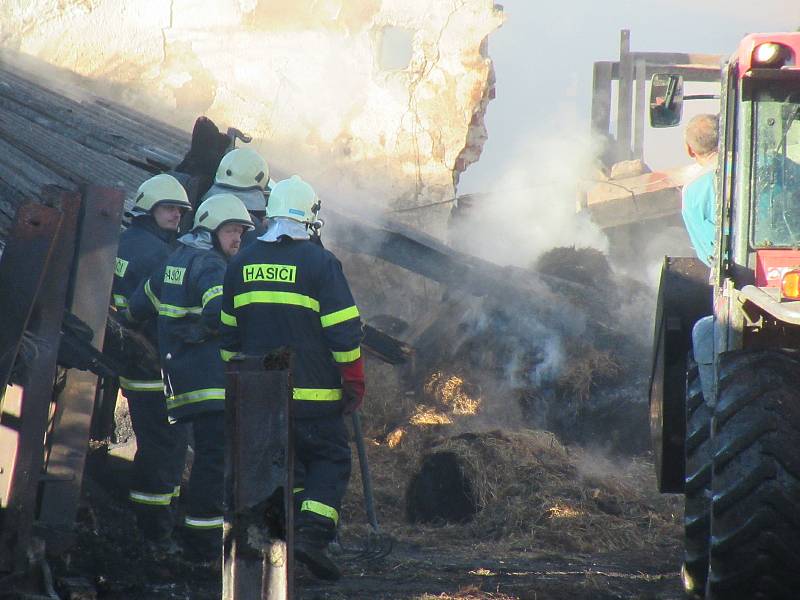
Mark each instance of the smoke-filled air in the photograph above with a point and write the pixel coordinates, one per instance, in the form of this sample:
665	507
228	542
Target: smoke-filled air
430	372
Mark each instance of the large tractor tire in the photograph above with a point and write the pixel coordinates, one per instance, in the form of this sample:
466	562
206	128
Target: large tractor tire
755	512
697	489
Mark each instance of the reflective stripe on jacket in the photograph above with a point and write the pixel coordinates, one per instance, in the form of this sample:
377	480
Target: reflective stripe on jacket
293	293
143	246
186	294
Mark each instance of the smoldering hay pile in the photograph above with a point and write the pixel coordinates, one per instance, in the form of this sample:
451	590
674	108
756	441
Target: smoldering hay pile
512	428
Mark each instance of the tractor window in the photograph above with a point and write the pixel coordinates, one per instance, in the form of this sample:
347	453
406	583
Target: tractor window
776	169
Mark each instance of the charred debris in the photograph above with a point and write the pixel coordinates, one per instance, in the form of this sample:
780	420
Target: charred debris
505	351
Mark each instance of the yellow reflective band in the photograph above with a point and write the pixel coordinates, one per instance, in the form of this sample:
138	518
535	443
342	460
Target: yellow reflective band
120	301
317	394
138	385
120	266
226	355
297	490
320	509
340	316
195	396
176	493
178	312
153	299
275	298
211	293
346	357
228	319
203	522
150	499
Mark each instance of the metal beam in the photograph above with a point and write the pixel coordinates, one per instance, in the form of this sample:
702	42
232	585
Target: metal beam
258	531
45	326
24	262
90	293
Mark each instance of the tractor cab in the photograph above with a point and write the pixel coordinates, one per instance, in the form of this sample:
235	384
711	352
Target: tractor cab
759	186
725	385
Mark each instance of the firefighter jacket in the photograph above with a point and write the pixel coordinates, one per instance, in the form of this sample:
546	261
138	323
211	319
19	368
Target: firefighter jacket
186	293
142	248
293	293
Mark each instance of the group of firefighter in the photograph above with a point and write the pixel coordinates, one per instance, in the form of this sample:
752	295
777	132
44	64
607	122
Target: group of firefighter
246	274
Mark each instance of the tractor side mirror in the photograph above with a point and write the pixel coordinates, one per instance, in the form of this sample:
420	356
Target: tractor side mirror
666	100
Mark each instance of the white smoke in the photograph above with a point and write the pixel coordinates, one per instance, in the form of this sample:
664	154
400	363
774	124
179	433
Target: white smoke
532	206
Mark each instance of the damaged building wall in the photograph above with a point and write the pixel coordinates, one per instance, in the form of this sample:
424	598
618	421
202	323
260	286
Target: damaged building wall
375	101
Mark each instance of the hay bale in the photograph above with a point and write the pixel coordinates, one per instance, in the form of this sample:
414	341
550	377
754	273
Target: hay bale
584	266
527	486
440	491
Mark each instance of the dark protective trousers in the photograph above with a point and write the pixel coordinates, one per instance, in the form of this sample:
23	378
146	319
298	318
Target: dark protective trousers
203	518
158	464
322	471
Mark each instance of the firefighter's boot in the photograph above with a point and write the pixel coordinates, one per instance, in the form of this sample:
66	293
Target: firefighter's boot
310	549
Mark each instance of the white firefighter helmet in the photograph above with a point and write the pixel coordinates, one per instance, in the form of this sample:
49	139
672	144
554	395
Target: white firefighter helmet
243	169
161	189
295	199
220	209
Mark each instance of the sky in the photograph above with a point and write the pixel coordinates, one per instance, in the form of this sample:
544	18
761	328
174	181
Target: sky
543	58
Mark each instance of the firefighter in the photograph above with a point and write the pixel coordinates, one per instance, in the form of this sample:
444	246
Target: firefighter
286	290
160	449
698	206
186	294
244	173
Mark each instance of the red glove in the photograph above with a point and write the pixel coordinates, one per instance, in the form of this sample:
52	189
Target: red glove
352	385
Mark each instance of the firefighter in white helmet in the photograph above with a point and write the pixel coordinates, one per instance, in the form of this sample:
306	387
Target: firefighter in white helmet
300	299
186	294
244	173
160	449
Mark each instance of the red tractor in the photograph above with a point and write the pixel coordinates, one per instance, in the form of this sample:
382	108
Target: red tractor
725	389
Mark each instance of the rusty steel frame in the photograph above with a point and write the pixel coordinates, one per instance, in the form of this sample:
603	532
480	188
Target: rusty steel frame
258	530
90	290
37	394
24	262
27	258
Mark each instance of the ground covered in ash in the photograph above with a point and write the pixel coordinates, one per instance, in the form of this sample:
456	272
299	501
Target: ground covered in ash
509	460
554	523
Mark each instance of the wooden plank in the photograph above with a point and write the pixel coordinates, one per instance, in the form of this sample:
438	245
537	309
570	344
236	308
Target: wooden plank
624	96
67	158
601	98
21	172
90	293
696	73
45	325
640	108
679	58
143	130
78	128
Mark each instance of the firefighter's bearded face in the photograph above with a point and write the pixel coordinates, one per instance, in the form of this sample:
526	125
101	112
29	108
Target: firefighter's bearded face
229	237
167	216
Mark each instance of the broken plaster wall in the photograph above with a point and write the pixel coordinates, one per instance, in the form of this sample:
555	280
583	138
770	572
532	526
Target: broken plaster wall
375	102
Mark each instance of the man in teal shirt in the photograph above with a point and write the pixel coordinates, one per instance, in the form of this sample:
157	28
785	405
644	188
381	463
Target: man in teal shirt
698	206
